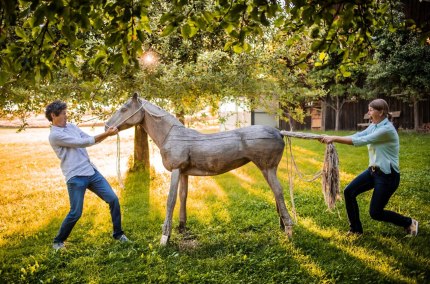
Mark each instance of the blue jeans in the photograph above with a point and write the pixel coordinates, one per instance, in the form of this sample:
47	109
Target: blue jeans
76	187
384	186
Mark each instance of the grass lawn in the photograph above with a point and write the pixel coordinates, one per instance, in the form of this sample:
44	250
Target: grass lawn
233	234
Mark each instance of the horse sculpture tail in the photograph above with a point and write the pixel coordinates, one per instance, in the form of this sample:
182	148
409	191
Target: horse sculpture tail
330	171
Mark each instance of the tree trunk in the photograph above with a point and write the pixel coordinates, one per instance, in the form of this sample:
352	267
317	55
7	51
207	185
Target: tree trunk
141	149
337	110
416	115
323	114
181	117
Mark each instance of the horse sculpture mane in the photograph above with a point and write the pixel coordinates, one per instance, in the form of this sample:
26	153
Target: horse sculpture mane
188	152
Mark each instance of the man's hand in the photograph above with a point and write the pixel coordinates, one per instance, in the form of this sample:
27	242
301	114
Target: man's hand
112	131
109	132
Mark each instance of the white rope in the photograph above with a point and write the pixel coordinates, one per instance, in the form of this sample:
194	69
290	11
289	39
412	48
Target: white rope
329	173
291	183
125	119
118	161
118	147
299	173
118	141
151	113
83	121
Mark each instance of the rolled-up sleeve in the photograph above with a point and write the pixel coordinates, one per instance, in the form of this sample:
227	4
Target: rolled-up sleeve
379	135
65	140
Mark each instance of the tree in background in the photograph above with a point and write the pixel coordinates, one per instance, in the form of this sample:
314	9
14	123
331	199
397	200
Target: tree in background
402	69
40	37
95	46
291	84
339	88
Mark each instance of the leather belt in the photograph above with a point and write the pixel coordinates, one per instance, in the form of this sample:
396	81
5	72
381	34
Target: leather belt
374	169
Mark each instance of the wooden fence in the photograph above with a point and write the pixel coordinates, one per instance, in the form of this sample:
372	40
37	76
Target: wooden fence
353	112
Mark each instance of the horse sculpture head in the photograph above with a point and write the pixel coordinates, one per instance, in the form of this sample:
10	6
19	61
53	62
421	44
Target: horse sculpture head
128	115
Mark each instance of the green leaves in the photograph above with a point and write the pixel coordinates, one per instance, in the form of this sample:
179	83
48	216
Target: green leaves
55	35
21	33
402	66
4	76
188	30
46	30
344	71
168	30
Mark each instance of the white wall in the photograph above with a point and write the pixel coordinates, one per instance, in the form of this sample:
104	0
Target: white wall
264	118
233	115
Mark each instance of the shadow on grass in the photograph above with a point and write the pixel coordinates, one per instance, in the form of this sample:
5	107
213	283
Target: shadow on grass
370	258
246	247
31	258
250	247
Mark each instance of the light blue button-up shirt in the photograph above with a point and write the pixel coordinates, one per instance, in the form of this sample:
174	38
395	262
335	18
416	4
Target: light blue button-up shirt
383	145
69	144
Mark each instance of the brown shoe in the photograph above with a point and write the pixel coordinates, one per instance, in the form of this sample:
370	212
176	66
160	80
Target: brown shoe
413	228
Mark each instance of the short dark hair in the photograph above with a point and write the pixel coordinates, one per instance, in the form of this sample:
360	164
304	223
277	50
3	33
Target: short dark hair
56	108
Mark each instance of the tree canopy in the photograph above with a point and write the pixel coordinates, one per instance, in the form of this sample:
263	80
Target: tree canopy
38	37
93	52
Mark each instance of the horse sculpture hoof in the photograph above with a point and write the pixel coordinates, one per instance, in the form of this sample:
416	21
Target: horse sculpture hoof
289	231
164	240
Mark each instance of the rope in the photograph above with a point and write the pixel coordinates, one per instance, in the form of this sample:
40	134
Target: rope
83	121
291	183
330	180
125	119
118	161
329	173
299	173
149	112
118	142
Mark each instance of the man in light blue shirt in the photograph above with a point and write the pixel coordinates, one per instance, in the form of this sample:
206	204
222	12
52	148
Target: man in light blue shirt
69	143
383	174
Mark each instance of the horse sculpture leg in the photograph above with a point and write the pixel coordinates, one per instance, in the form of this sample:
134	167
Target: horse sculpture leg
183	193
272	180
171	201
281	223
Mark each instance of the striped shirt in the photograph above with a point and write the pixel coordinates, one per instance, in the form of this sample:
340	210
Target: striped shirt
383	145
69	144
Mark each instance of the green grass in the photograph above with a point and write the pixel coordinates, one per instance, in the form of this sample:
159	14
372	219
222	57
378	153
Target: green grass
233	233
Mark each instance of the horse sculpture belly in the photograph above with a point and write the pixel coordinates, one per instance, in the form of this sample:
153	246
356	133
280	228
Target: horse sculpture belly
212	154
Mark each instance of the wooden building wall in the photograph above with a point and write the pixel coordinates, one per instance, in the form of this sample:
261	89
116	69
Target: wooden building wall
419	11
353	112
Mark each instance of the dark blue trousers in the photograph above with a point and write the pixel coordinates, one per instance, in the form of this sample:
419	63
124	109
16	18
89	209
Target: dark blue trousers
76	187
384	186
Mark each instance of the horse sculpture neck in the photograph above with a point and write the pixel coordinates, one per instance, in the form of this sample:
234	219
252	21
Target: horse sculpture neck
158	122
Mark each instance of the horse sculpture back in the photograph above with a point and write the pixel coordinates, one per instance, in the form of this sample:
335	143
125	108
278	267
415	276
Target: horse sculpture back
188	152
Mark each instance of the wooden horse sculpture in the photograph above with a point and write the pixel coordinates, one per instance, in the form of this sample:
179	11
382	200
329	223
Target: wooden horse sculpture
187	152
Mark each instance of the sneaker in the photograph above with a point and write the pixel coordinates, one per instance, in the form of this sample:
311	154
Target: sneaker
123	239
58	246
413	228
